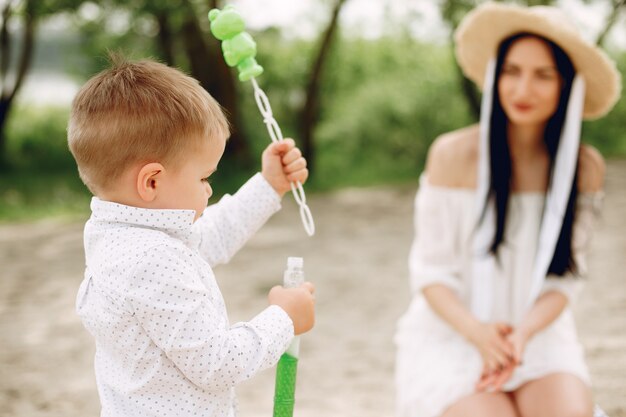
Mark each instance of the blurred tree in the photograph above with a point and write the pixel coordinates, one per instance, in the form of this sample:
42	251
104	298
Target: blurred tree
381	107
207	65
310	111
452	12
24	11
617	7
178	34
18	26
181	38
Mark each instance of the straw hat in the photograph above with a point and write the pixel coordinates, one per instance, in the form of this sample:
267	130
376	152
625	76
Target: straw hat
481	31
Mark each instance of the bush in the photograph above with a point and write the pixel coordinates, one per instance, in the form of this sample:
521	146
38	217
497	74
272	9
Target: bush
384	102
37	140
608	134
42	180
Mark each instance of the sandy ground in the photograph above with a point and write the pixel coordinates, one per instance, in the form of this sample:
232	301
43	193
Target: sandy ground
357	261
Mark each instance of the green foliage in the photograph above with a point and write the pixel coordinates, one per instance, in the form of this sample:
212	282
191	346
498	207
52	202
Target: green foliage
43	180
95	43
37	140
384	102
286	65
608	134
27	195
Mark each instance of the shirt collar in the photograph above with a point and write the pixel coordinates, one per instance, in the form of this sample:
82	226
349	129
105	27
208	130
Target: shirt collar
166	220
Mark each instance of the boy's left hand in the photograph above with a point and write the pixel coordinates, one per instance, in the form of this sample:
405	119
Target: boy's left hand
283	163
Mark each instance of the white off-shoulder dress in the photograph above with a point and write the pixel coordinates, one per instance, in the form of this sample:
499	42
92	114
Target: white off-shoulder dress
435	365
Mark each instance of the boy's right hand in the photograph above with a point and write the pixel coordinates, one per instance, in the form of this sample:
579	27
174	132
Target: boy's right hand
298	303
283	163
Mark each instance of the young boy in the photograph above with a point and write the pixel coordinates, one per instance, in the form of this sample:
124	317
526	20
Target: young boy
146	138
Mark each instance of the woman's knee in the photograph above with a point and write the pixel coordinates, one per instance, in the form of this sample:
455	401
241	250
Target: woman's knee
497	404
575	410
557	395
562	409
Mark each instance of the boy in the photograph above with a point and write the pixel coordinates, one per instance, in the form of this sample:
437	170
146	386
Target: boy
146	138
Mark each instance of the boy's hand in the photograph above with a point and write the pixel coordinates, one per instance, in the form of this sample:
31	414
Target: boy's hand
282	164
298	303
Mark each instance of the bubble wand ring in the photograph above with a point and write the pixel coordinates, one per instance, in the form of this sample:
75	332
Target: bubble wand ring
277	136
239	51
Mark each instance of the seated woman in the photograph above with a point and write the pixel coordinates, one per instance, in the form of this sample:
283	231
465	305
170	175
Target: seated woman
504	214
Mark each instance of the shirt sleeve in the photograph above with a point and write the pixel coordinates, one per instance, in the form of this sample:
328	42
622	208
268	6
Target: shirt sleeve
227	225
187	321
435	256
570	284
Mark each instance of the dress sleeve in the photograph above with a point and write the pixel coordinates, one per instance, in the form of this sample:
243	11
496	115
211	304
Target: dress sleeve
570	284
435	256
227	225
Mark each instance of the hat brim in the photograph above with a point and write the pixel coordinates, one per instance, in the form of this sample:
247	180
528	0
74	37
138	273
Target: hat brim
479	35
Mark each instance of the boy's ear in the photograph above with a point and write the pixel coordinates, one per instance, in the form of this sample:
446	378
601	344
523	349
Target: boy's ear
148	181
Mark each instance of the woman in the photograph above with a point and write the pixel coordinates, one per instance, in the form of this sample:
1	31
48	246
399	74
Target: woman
503	218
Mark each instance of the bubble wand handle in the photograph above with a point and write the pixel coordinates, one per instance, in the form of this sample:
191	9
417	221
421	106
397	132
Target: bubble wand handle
239	51
286	370
277	136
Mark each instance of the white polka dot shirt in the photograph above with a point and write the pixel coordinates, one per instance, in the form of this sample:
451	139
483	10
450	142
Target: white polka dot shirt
164	345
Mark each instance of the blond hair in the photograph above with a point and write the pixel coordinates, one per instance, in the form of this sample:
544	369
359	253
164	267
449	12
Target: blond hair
137	112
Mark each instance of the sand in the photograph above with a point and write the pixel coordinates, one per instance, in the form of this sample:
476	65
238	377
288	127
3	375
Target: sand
357	261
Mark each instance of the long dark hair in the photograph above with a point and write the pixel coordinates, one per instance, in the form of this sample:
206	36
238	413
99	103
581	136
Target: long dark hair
562	260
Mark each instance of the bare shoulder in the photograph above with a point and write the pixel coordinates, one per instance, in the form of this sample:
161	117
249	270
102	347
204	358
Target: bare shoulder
591	169
452	159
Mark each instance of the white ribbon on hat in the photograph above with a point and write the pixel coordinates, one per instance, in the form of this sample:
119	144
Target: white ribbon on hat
561	181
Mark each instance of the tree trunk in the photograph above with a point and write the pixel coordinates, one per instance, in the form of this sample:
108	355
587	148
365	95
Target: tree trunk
209	68
310	110
470	92
23	65
27	51
4	112
617	5
5	47
165	39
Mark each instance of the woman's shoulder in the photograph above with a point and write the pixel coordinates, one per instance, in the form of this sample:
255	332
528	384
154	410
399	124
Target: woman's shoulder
591	170
452	159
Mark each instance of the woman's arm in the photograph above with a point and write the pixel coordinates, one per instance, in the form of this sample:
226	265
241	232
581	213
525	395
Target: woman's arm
447	305
546	309
451	163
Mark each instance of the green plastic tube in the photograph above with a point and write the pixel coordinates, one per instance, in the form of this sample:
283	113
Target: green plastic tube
285	389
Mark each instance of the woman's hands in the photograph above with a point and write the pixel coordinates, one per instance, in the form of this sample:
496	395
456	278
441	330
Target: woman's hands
546	309
493	379
496	342
518	339
500	345
491	341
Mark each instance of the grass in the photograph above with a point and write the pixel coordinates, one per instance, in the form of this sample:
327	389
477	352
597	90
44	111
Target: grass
33	196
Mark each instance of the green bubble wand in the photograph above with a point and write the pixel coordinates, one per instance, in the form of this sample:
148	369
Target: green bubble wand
239	50
286	370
